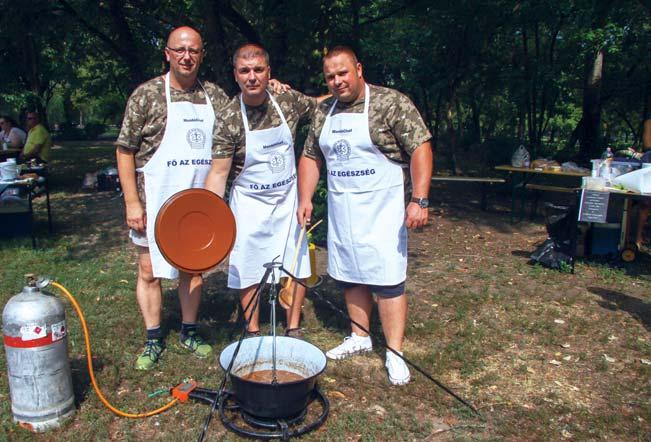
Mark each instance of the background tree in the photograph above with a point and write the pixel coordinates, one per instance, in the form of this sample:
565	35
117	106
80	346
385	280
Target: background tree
564	78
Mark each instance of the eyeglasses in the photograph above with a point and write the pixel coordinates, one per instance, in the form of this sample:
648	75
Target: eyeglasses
181	51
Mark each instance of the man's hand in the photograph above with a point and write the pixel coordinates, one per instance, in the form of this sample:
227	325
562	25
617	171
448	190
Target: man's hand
277	87
136	217
416	217
304	212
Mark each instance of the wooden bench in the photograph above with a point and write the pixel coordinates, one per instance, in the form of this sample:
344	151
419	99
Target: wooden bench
539	188
483	181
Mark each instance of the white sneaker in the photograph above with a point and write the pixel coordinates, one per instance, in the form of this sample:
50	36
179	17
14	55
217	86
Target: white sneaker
397	369
352	344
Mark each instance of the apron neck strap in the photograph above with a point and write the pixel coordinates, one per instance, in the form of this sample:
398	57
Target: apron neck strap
168	96
245	119
367	101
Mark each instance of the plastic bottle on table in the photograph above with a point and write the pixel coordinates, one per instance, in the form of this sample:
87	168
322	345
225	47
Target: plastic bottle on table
604	169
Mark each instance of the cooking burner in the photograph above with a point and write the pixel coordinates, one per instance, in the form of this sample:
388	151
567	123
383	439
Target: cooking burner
271	424
244	424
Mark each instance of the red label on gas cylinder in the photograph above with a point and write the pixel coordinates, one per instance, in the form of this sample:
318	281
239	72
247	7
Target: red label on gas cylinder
31	332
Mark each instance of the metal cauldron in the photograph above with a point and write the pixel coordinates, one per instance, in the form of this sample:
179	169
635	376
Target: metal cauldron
280	400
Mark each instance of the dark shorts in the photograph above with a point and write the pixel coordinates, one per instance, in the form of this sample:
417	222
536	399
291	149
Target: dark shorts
384	291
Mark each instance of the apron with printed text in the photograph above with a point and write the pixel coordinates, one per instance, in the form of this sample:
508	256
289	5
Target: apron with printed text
263	199
367	237
182	161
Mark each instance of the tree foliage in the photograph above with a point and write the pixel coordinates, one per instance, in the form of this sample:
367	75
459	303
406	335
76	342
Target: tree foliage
565	78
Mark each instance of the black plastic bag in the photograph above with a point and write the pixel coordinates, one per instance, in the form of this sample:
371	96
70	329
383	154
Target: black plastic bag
557	251
550	255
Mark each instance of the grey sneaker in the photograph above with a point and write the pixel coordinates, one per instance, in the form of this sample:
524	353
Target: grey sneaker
352	344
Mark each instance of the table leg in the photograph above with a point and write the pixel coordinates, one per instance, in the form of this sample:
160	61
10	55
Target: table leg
514	185
47	201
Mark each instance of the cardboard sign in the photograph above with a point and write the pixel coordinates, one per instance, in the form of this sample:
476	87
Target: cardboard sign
594	206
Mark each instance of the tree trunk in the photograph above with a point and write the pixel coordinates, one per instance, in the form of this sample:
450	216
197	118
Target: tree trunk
355	33
219	52
476	121
125	40
437	121
589	134
452	133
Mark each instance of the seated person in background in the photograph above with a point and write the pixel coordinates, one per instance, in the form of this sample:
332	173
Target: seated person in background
38	140
11	134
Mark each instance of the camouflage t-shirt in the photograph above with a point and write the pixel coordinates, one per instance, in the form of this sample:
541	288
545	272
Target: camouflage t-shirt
229	138
145	118
395	124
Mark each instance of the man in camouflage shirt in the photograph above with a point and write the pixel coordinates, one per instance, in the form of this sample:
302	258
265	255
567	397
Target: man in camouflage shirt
367	135
146	134
257	157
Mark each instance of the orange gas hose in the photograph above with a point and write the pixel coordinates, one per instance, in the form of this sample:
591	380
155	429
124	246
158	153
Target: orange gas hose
92	372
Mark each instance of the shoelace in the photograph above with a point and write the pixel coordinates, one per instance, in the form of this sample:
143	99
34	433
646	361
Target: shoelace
193	341
152	350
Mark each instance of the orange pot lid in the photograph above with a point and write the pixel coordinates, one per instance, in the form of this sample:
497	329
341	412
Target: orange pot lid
195	230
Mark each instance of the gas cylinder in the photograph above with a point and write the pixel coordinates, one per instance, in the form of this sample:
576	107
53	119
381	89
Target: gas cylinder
36	345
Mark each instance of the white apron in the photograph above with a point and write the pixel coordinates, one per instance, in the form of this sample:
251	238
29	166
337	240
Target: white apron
367	237
263	199
182	161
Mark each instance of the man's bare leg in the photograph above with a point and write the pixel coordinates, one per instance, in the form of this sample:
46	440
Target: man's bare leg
245	296
149	297
148	290
393	315
294	312
359	303
190	286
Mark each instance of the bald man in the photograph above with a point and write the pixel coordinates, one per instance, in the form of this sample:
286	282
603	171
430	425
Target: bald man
367	136
164	147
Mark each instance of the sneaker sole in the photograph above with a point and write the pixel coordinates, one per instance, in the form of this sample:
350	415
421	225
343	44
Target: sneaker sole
347	355
194	353
152	365
146	368
399	381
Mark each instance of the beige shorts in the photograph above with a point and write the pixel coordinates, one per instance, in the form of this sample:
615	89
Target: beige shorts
138	238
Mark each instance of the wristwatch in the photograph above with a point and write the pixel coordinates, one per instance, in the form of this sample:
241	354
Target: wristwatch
423	203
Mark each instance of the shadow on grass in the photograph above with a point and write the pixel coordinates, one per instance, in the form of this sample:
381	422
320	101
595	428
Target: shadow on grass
218	310
522	253
613	300
81	384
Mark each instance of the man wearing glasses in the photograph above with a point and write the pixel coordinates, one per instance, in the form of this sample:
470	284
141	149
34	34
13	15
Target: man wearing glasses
38	143
164	147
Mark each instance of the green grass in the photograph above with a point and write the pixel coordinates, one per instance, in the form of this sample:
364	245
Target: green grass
485	328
